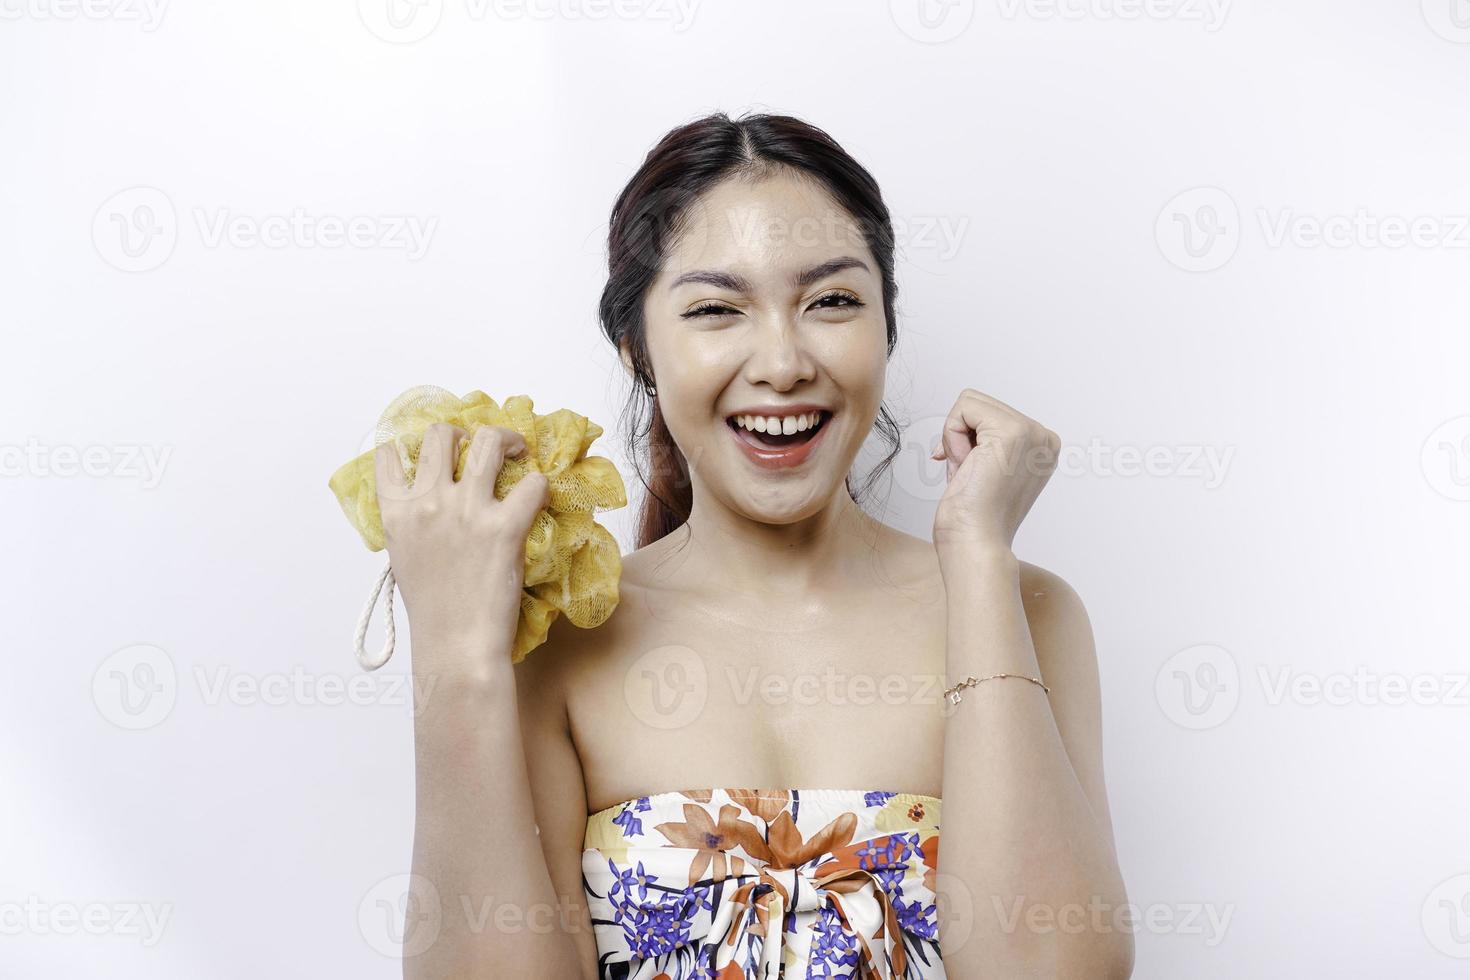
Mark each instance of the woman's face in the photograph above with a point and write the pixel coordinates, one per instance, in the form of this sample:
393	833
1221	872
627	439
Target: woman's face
768	305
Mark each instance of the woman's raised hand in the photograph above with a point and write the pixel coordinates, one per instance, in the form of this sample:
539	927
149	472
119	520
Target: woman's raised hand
999	462
458	553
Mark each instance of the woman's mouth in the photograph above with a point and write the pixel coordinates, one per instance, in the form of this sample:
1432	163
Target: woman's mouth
775	448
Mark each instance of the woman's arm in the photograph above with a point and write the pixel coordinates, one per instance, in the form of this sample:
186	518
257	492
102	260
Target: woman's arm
475	836
558	787
1027	842
1027	865
481	902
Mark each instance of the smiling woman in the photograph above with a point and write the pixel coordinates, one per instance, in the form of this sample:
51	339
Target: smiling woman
686	818
739	233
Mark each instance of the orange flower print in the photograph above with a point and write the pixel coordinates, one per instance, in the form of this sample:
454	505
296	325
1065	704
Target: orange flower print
788	850
754	884
714	840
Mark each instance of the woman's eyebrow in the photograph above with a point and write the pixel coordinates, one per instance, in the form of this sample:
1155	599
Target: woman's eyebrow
739	284
819	272
722	280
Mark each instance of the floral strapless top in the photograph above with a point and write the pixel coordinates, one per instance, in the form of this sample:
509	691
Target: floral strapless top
747	884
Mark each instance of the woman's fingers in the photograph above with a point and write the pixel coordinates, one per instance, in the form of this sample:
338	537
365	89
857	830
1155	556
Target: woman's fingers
955	441
974	413
437	456
489	447
531	493
474	491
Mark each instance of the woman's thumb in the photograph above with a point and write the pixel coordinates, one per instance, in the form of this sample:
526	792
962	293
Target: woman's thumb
531	493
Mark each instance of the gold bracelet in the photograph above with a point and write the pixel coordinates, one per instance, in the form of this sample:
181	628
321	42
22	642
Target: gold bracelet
953	694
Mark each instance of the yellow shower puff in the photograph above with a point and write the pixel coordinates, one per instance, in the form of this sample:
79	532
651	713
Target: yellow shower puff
572	562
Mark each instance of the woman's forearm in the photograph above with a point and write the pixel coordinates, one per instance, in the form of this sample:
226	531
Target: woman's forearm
475	839
1022	849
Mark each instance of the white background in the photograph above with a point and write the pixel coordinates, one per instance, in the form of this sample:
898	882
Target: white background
1036	155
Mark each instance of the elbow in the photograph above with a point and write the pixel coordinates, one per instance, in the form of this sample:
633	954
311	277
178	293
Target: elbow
1096	956
1106	954
1109	945
1115	959
1100	949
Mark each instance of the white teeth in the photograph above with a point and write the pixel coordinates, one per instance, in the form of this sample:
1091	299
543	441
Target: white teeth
786	425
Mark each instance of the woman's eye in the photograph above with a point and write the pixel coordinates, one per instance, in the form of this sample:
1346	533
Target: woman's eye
829	302
838	300
707	309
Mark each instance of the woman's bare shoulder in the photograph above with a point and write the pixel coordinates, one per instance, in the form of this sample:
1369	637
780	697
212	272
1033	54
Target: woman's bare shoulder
571	653
1061	630
1045	593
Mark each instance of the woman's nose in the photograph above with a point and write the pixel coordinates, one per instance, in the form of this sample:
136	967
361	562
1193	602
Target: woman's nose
780	356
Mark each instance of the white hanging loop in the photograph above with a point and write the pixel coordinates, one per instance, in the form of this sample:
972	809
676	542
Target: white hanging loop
374	662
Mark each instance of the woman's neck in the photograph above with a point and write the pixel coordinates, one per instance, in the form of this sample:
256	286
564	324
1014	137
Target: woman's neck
720	548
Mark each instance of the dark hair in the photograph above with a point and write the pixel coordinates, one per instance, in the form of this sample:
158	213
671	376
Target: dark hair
653	210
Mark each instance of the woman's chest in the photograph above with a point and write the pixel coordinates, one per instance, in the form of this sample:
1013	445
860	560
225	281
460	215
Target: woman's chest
675	704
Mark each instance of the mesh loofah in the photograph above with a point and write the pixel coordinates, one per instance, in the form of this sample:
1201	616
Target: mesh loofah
572	562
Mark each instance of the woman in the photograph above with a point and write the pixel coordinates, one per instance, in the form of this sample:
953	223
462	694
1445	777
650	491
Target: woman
739	774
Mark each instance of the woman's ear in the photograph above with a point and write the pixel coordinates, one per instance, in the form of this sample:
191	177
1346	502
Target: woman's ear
626	356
